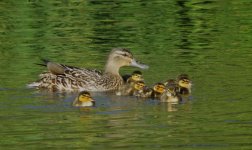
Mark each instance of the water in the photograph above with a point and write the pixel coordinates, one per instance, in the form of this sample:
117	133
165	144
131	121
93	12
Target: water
209	40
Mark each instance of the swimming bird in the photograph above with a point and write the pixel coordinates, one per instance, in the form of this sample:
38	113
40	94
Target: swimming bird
170	82
184	84
146	92
170	95
135	76
61	77
84	99
158	90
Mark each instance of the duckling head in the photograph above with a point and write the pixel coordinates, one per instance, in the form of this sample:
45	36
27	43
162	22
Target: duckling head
139	85
84	99
159	88
120	57
137	76
185	83
170	82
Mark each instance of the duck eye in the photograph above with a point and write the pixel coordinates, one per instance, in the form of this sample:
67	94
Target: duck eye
124	54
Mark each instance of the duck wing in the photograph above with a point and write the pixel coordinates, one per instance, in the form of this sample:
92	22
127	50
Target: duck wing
57	68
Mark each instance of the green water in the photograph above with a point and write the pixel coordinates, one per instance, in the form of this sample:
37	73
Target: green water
209	40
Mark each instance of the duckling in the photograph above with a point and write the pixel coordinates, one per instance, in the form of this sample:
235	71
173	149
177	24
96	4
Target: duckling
184	84
158	90
129	81
170	82
67	78
170	95
146	92
133	89
84	99
135	76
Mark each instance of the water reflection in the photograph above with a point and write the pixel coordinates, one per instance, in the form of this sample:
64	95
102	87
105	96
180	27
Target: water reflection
193	27
209	40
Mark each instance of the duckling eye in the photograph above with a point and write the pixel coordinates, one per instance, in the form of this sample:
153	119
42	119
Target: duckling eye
85	95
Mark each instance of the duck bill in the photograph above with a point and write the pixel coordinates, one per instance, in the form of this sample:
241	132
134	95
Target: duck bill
134	63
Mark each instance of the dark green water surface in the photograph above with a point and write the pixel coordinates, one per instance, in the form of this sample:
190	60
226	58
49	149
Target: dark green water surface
211	40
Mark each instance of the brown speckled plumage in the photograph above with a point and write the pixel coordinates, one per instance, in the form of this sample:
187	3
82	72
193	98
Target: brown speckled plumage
61	77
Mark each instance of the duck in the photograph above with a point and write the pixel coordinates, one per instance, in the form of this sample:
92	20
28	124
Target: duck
138	88
60	77
135	76
158	90
184	84
129	82
170	95
146	92
170	82
84	99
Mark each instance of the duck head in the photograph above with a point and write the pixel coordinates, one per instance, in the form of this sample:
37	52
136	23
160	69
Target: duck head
120	57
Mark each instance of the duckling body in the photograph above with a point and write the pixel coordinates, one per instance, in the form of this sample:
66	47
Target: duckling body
67	78
84	99
146	92
170	95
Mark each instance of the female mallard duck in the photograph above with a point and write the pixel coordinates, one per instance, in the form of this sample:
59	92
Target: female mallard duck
170	95
184	84
84	99
158	90
67	78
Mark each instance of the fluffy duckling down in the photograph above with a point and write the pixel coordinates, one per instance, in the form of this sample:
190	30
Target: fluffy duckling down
184	84
84	99
158	90
170	95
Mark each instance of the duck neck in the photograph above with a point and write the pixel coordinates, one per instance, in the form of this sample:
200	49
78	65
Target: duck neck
112	68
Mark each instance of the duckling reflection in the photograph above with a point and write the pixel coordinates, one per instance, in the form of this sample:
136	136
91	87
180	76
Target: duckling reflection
84	99
169	107
158	90
184	84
